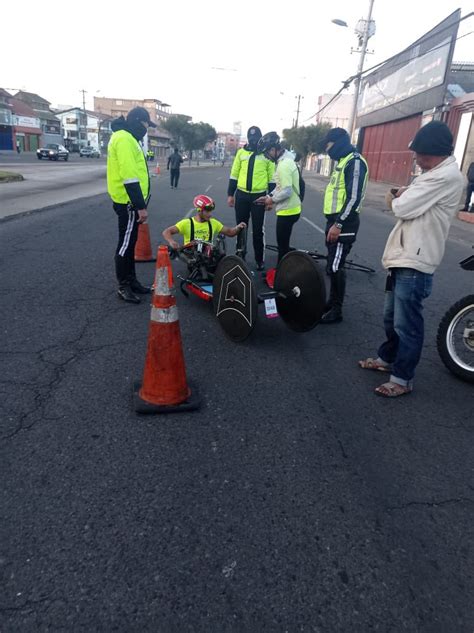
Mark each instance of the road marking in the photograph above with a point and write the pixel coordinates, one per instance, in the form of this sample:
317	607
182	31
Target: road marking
315	226
210	187
220	178
190	212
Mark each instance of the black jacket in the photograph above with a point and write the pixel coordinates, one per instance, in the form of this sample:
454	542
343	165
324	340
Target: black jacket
175	160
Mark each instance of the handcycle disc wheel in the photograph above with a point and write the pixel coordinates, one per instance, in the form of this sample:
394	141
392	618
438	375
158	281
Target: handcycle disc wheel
302	299
235	298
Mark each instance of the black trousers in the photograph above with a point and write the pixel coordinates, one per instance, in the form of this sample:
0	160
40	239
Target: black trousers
174	176
283	232
245	208
127	238
470	189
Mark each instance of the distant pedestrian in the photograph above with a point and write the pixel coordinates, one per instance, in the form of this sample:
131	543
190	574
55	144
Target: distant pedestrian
342	203
285	197
174	163
470	189
250	177
413	251
128	184
18	147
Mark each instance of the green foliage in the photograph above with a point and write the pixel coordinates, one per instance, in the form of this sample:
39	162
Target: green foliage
306	139
189	135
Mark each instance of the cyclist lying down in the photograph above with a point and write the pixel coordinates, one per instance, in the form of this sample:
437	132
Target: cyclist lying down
202	226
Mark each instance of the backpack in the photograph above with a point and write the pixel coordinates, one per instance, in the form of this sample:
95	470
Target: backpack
302	185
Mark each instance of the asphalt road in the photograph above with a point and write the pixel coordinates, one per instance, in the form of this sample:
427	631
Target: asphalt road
294	500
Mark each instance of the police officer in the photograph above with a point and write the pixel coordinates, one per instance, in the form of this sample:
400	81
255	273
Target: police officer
128	184
250	177
342	201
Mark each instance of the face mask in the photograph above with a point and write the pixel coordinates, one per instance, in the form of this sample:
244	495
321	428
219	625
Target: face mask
137	129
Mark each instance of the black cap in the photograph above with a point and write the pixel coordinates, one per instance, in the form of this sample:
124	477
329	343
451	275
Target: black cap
140	114
334	135
254	134
433	139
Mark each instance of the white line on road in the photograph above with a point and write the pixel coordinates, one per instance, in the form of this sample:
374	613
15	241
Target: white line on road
190	212
219	178
210	187
315	226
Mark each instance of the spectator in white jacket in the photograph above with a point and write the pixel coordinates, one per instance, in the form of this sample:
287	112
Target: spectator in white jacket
414	249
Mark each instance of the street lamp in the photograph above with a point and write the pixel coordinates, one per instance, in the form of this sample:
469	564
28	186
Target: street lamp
364	30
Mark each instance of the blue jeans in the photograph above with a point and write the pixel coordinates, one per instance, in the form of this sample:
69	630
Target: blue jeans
403	321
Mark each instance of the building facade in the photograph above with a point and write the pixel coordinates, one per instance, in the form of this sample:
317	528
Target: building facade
6	122
49	122
337	113
157	139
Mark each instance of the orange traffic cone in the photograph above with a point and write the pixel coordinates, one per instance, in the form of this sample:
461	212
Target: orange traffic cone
157	169
164	388
143	252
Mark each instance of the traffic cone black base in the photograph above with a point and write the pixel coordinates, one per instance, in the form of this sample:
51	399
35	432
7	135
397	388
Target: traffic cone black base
192	403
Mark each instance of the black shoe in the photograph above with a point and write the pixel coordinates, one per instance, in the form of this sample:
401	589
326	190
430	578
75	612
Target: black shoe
137	287
126	294
334	315
260	265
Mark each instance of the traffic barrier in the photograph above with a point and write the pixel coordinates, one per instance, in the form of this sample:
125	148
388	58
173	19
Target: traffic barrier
164	388
143	252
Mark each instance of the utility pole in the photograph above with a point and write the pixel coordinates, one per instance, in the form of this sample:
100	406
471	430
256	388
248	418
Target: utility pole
299	97
85	113
357	81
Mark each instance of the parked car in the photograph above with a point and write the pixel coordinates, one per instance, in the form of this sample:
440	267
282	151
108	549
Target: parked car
52	151
89	152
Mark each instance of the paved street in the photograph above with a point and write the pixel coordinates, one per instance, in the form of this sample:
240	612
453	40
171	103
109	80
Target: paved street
48	182
293	500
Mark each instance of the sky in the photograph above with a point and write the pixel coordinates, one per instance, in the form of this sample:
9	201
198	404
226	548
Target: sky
216	61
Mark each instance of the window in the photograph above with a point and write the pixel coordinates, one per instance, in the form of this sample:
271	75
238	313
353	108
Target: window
71	120
118	102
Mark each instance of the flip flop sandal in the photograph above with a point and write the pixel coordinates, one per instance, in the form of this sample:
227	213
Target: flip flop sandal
392	390
371	363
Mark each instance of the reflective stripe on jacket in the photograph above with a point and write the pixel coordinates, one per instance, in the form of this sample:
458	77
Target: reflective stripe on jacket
126	164
261	176
346	189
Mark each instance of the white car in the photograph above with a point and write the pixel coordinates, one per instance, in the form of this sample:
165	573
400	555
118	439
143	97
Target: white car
89	152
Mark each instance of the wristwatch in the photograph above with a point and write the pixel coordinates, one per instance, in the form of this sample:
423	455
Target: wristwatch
338	225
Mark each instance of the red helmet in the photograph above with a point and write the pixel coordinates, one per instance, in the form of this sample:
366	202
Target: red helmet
204	203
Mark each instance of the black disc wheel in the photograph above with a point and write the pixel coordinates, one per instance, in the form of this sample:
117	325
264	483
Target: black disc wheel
235	298
302	291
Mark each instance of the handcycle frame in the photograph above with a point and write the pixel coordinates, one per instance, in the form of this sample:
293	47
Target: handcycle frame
349	264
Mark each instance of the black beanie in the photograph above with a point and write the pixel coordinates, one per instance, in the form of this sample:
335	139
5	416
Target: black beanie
254	134
335	134
434	139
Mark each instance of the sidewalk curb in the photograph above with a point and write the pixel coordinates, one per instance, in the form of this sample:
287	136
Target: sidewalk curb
23	214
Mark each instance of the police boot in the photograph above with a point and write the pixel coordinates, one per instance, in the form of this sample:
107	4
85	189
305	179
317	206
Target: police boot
338	288
122	273
134	284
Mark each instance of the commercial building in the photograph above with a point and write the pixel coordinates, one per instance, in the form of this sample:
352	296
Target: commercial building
157	139
49	122
416	86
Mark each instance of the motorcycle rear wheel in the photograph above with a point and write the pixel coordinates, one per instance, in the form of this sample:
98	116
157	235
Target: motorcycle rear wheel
455	339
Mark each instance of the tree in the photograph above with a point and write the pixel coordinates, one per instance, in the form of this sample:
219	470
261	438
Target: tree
176	125
192	136
306	139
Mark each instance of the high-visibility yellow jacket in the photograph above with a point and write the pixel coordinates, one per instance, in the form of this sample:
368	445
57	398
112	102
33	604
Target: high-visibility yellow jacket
126	165
251	172
346	189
